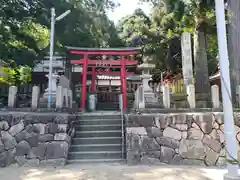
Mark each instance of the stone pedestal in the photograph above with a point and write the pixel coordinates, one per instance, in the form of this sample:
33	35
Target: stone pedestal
149	96
166	96
92	102
145	80
35	96
54	87
59	97
12	96
44	98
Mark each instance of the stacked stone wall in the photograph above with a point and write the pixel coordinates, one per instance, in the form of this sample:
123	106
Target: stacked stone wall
177	139
35	138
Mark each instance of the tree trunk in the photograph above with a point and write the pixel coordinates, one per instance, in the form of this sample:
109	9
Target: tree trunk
234	44
200	59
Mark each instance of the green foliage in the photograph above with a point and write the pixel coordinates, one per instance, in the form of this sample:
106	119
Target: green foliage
135	31
168	20
20	34
212	52
15	75
24	30
9	76
25	74
86	26
132	29
154	34
27	43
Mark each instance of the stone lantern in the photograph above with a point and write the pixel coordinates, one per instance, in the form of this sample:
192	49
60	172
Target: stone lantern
146	67
57	66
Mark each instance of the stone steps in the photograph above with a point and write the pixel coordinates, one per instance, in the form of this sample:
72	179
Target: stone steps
95	155
96	147
95	161
109	127
98	122
98	116
108	106
107	133
98	138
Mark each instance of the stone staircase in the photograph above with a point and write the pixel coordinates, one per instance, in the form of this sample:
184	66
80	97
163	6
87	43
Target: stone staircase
98	138
108	106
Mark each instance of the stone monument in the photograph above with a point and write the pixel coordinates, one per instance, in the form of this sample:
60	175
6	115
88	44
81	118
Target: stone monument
54	86
56	68
201	94
187	66
149	96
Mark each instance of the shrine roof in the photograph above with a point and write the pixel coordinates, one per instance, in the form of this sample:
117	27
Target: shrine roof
123	49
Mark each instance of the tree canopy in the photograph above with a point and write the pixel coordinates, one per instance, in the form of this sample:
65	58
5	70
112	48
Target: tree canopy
24	28
160	33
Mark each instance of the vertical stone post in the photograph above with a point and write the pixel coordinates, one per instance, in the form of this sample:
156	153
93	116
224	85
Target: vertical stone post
93	86
136	101
12	96
35	96
187	66
166	96
215	96
70	96
200	63
59	97
65	96
191	96
141	97
120	102
238	93
92	102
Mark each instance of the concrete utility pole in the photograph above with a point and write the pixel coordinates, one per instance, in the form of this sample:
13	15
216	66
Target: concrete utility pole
53	21
229	131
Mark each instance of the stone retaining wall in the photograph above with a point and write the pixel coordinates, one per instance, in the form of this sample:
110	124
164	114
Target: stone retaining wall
181	138
35	138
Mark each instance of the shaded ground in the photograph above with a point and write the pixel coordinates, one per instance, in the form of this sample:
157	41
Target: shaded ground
111	172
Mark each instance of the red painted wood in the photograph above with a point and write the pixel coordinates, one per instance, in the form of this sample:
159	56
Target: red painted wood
110	52
118	66
111	73
84	82
103	63
93	79
123	83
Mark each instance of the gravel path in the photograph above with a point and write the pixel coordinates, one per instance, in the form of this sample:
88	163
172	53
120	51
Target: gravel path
110	172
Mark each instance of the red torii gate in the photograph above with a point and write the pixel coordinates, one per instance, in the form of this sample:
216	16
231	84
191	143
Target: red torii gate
85	62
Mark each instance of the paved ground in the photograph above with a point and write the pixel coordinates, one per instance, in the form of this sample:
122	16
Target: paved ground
111	172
